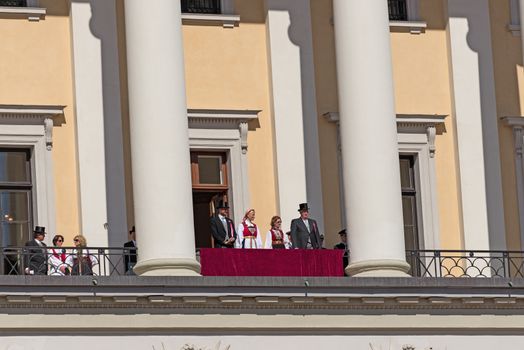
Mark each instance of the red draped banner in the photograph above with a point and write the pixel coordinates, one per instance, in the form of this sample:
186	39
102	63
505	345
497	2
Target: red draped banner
271	262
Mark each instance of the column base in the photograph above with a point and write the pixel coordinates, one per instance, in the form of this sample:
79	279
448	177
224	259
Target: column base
378	268
167	267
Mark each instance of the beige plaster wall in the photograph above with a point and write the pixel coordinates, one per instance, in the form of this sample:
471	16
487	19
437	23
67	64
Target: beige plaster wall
422	86
327	101
36	69
509	90
228	69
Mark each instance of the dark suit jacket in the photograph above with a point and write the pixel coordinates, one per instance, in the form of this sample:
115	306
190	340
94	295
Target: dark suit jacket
300	234
219	234
130	255
36	257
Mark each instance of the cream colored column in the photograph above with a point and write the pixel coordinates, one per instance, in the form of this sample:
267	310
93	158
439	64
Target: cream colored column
369	138
159	139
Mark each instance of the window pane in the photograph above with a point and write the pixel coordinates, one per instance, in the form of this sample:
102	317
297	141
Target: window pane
200	6
14	206
410	222
13	166
406	174
398	10
210	170
15	3
14	235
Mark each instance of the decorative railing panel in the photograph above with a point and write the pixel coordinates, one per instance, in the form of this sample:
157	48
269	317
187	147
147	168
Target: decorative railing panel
66	261
13	3
201	6
398	10
462	263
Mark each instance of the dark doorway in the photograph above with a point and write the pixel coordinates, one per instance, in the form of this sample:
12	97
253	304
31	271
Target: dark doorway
210	185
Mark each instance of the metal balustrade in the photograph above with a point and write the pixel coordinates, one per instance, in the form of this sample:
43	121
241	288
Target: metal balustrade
398	10
201	6
466	263
108	261
13	3
87	261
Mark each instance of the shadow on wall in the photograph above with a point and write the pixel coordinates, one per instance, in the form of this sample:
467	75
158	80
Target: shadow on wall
103	25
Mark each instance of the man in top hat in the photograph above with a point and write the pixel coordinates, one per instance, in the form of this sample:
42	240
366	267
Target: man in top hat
36	254
222	227
304	231
130	252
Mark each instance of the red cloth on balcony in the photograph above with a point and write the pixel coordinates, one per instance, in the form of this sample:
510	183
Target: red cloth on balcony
269	262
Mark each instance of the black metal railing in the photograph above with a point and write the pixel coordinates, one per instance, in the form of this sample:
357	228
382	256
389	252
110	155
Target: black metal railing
13	3
67	261
466	263
201	6
398	10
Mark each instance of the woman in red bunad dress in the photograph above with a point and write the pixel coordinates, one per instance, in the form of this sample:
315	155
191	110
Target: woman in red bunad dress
248	233
275	238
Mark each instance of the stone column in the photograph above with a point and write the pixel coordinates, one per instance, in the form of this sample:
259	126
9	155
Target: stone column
369	138
159	139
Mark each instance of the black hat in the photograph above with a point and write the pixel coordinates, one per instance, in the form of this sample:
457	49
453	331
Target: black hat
222	205
303	207
40	230
342	232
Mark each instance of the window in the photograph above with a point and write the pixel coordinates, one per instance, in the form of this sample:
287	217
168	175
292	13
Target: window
209	170
15	196
13	3
201	6
398	10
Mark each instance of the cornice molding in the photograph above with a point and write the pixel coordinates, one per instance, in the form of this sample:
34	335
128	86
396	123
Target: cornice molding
46	115
252	303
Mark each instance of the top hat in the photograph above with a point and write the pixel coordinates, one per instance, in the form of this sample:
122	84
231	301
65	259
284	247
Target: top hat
222	205
303	207
39	229
132	229
342	232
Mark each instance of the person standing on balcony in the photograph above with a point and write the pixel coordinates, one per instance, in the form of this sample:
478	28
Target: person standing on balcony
222	227
304	231
275	238
343	245
36	254
248	233
57	258
130	251
81	261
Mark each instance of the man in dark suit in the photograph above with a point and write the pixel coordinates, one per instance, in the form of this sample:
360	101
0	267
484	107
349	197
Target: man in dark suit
304	231
222	227
130	251
36	254
343	245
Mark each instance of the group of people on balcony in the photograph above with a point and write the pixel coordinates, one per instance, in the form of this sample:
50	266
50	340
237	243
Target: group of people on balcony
56	261
304	232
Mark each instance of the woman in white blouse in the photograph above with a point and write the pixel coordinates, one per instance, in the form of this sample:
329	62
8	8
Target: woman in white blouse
276	238
248	233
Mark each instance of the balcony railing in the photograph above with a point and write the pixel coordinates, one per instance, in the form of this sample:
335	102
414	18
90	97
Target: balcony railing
201	6
398	10
66	261
466	263
13	3
120	261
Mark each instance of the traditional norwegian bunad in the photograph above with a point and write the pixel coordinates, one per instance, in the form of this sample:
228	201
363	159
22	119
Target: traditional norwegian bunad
248	235
57	262
276	239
